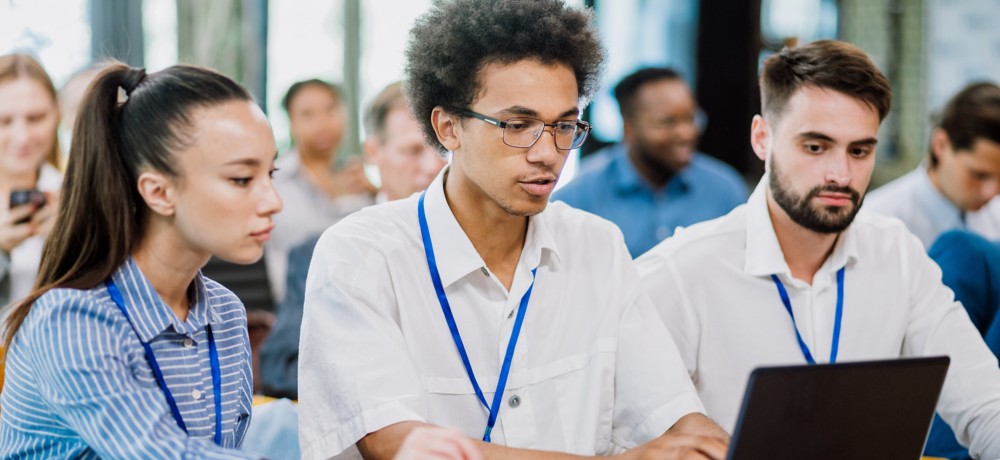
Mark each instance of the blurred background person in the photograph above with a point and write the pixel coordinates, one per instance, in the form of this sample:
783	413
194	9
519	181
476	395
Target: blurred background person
319	186
29	153
124	349
395	144
970	266
70	96
654	180
407	165
956	186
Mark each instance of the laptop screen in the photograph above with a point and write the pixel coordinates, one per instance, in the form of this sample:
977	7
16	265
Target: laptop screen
871	409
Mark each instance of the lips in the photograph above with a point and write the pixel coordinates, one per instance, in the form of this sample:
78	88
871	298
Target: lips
836	199
539	186
263	235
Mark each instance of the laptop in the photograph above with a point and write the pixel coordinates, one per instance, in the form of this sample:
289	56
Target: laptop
860	410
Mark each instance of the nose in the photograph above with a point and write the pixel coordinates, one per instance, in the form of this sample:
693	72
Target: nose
544	151
270	203
838	170
18	132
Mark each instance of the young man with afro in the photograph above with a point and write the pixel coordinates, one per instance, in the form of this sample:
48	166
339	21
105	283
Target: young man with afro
478	305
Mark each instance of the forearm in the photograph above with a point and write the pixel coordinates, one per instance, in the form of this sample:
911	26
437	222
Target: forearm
700	425
694	436
385	443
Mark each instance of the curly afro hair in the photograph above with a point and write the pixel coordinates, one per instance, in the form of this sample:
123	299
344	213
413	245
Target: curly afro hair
451	43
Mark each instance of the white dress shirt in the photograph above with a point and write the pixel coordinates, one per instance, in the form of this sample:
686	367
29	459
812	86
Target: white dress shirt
712	285
594	371
927	212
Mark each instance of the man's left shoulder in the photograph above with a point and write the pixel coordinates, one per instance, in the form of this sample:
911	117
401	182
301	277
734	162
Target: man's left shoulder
719	173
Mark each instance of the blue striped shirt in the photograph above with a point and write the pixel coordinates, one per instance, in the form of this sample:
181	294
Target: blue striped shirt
79	385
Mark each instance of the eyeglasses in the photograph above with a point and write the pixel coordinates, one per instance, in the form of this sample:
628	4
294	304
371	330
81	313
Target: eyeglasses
523	132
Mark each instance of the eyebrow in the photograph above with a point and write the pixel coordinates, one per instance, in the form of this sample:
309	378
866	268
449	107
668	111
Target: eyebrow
529	112
813	135
246	161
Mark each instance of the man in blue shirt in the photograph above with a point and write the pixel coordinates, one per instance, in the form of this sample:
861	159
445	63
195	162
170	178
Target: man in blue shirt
970	266
654	181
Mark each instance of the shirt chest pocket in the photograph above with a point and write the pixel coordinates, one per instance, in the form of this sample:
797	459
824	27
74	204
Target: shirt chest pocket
565	403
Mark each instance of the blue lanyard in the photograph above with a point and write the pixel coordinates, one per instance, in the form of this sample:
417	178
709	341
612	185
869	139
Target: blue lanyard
213	354
836	321
446	309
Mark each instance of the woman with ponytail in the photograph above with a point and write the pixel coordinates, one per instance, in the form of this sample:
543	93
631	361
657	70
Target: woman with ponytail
123	349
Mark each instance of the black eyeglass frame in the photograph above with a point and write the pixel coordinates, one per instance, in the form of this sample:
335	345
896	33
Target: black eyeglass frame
580	125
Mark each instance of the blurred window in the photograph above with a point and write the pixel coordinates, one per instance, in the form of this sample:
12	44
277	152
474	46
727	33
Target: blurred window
57	32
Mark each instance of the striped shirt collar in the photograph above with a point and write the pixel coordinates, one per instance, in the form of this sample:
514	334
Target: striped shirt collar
150	315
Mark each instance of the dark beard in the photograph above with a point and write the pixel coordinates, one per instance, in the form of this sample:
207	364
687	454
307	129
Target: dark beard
827	219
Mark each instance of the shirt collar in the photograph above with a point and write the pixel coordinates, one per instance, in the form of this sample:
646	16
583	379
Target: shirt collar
935	203
150	315
627	179
764	256
454	253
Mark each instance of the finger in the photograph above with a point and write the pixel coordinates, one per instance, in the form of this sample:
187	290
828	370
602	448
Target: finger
705	446
17	213
714	448
45	212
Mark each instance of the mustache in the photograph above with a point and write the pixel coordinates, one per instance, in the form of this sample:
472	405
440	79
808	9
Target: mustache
829	188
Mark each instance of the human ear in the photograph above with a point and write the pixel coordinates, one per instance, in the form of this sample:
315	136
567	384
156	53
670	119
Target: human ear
371	150
940	143
445	127
157	191
760	136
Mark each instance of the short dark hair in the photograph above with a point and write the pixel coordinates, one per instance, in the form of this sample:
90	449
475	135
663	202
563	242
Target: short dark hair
971	114
450	45
827	64
626	89
286	102
390	98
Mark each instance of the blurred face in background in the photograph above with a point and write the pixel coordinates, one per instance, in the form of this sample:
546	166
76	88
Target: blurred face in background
28	120
662	132
969	178
406	163
317	119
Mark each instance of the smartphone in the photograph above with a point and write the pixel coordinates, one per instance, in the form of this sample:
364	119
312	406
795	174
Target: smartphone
26	196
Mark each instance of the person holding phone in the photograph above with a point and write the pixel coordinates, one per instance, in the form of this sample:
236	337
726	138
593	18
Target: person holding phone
124	349
29	180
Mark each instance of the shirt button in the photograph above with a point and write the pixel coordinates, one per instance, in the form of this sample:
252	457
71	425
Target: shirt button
485	271
188	343
196	394
514	401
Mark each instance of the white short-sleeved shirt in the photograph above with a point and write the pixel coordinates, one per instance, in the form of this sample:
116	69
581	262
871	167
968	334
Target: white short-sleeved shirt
594	371
927	212
712	285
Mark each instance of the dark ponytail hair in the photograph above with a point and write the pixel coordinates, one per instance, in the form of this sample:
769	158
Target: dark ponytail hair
102	217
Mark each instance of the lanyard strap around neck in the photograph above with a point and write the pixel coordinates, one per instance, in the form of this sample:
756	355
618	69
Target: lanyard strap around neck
836	321
213	353
494	410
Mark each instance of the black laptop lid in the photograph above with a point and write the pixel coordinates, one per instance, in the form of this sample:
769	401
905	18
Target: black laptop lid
861	410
